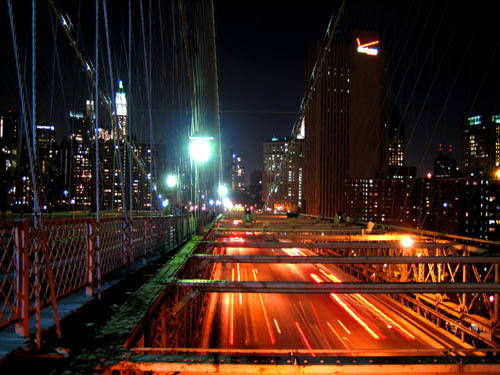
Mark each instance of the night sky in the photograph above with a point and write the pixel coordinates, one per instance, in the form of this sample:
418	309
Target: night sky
443	61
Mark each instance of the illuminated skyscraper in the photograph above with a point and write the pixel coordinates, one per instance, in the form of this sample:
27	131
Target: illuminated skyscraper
121	110
346	121
8	157
238	177
444	164
81	192
289	193
395	152
47	159
481	145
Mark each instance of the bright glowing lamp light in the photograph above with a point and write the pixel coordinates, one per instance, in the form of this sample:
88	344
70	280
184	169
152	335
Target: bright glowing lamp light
165	203
222	191
407	242
497	174
199	148
227	202
171	180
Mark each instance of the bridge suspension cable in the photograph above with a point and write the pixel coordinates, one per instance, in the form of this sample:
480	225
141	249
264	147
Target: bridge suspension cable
313	79
92	76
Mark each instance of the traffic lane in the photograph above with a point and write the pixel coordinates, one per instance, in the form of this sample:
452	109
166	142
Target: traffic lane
359	313
316	321
250	320
296	314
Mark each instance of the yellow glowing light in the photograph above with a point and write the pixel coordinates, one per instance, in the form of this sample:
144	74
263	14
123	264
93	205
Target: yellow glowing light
407	242
383	316
355	316
316	278
497	174
330	277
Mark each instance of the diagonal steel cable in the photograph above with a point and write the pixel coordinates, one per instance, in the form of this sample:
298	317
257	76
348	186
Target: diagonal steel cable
316	73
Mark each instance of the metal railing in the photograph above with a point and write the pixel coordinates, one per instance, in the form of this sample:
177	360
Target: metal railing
40	266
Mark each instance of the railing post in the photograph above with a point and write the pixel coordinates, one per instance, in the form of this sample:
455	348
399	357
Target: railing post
495	301
89	289
22	278
98	256
145	236
128	256
161	233
124	243
38	308
130	244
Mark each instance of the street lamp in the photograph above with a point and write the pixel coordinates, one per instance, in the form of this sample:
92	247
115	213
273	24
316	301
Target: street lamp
222	191
199	151
199	148
407	242
171	181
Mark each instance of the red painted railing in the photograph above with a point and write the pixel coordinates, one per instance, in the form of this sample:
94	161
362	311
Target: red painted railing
80	252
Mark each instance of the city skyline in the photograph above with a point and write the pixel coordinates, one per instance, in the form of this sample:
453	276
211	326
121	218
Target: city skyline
261	63
441	72
443	67
212	185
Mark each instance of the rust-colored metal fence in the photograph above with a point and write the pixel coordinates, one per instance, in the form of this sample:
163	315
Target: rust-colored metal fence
38	266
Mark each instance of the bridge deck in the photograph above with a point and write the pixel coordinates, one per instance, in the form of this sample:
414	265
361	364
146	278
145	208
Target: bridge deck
142	359
120	343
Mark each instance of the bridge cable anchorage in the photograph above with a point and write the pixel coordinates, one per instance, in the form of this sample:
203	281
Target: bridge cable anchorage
316	73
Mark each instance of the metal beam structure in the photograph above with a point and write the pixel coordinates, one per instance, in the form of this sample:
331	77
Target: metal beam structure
224	286
441	280
346	260
328	245
290	229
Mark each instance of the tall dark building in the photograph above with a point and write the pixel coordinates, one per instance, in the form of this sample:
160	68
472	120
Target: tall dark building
47	159
8	157
445	165
395	151
289	193
81	190
238	177
63	176
346	121
255	188
481	144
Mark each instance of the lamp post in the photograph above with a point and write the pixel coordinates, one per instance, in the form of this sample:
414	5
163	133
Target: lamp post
199	151
171	182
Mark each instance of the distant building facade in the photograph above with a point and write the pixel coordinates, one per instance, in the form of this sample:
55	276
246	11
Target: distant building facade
396	149
445	165
8	158
346	122
255	188
465	206
288	195
238	176
481	145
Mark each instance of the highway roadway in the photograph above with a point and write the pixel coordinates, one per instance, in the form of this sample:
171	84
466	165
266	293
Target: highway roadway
354	324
